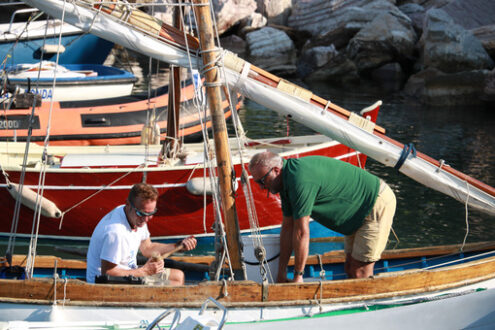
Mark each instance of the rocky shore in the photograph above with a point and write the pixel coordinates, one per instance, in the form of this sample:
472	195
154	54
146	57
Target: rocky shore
439	52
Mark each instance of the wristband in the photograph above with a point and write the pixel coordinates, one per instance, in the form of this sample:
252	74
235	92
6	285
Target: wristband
299	273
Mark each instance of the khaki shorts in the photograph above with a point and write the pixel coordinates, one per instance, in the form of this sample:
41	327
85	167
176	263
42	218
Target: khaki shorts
158	279
369	241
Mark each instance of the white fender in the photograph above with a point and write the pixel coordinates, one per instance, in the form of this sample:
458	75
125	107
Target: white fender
198	187
28	199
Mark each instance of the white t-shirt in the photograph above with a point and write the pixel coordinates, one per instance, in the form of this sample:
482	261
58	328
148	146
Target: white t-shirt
113	240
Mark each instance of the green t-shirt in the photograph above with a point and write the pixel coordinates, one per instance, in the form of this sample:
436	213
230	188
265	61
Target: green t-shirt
336	194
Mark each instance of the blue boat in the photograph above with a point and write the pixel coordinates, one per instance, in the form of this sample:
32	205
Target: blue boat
74	82
22	42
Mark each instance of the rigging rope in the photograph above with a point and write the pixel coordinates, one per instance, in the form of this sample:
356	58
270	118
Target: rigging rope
41	181
17	207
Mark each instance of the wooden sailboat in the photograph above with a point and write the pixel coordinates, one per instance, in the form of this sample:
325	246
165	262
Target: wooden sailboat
455	293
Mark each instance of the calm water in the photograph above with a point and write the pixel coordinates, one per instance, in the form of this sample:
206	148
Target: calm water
464	137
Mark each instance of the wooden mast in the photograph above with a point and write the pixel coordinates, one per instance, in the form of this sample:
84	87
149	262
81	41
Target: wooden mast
224	166
172	143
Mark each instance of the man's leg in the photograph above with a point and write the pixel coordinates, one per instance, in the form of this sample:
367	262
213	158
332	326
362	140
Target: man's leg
176	277
358	269
370	239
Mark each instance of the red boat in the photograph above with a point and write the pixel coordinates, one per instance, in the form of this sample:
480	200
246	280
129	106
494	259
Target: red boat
82	184
102	122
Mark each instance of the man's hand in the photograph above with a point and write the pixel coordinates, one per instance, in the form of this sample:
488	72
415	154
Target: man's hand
152	266
189	243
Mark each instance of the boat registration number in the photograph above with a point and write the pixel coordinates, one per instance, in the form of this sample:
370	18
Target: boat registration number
18	122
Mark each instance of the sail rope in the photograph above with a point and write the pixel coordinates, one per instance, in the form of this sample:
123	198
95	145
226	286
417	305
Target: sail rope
466	204
42	177
18	202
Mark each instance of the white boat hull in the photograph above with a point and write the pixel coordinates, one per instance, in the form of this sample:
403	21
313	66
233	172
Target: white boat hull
81	92
470	307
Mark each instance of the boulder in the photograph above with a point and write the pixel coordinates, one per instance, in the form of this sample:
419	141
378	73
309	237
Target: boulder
272	50
326	64
390	75
230	12
434	87
235	44
489	89
390	37
276	11
416	13
471	14
449	47
486	34
251	23
322	16
339	38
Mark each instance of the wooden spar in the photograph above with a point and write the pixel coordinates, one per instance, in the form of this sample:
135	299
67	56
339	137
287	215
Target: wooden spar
172	144
224	166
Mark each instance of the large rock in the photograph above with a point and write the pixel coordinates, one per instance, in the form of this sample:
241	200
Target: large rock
251	23
326	64
390	37
230	12
434	87
272	50
486	34
489	89
276	11
449	47
235	44
322	16
471	14
416	13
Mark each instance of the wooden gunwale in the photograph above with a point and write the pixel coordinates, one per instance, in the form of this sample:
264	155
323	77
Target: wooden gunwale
337	256
248	293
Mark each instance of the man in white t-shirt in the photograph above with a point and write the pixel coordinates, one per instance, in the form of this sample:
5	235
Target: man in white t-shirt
123	232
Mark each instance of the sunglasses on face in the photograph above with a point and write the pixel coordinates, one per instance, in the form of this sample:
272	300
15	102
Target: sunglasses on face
140	213
261	181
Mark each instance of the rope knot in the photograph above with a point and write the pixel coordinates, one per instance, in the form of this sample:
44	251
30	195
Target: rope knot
408	149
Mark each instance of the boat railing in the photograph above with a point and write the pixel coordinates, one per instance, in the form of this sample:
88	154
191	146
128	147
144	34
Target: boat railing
20	11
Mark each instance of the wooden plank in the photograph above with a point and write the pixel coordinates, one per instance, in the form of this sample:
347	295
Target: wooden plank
248	292
336	256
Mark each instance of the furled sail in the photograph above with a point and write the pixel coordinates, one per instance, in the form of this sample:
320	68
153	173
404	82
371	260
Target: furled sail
133	29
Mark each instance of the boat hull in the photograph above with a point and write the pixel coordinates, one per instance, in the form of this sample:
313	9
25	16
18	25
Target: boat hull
427	288
78	46
471	309
103	122
104	82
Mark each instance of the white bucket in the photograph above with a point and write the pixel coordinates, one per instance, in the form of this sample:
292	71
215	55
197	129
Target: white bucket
271	243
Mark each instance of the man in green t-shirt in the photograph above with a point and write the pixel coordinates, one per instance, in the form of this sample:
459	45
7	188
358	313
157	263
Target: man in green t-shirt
340	196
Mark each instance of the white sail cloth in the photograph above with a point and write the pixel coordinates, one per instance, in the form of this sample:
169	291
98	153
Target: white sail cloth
387	153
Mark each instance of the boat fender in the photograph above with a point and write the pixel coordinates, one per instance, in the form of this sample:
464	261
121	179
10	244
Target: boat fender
198	186
28	199
52	49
